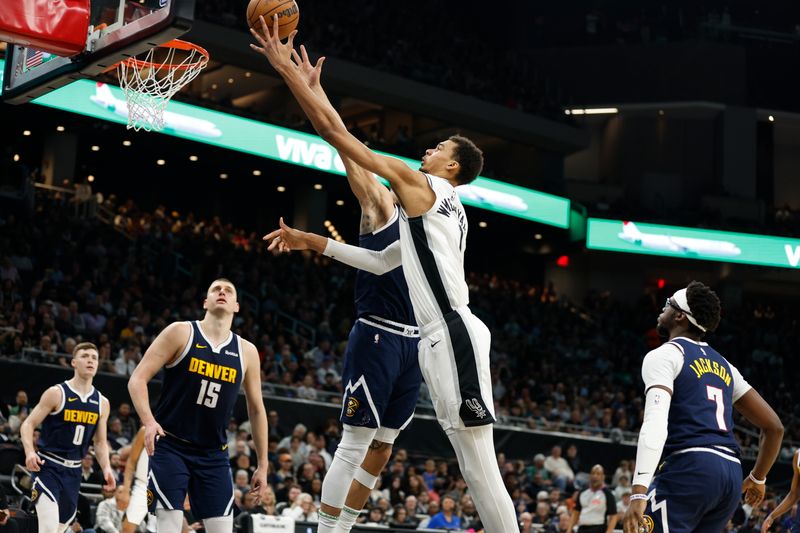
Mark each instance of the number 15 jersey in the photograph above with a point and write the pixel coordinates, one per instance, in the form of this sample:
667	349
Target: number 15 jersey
200	390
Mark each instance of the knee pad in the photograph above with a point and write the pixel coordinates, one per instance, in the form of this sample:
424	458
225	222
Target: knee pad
219	524
47	511
354	444
387	435
169	521
365	478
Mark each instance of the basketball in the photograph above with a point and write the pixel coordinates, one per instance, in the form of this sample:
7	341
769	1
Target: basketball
287	11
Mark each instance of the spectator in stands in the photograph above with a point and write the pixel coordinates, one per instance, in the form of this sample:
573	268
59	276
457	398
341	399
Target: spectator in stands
412	509
128	359
559	469
276	429
89	474
307	391
269	502
469	514
400	519
447	518
542	515
562	524
128	423
303	509
595	509
115	438
241	481
110	512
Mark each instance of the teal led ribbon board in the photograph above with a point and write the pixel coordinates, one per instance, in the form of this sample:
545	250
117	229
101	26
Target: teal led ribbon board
690	243
195	123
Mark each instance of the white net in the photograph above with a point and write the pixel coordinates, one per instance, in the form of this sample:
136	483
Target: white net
149	83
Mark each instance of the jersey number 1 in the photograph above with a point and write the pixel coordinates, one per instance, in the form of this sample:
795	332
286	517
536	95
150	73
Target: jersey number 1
715	394
209	393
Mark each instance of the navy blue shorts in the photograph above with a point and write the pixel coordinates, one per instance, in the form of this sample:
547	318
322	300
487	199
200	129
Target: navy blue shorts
176	467
694	492
60	484
381	377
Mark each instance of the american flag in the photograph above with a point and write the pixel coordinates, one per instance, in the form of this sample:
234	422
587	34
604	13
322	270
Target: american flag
34	58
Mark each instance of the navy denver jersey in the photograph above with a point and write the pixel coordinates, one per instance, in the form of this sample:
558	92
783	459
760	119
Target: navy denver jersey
200	390
701	410
385	296
68	432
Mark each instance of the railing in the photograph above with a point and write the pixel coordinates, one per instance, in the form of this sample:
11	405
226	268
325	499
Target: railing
424	408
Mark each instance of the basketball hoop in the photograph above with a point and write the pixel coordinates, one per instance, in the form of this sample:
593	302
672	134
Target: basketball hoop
149	83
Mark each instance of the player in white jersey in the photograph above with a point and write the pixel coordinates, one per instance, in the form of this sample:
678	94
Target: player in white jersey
135	483
454	345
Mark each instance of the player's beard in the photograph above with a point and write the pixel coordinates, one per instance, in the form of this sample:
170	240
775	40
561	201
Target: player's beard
662	331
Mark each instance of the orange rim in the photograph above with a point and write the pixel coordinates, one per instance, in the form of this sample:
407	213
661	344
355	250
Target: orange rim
178	45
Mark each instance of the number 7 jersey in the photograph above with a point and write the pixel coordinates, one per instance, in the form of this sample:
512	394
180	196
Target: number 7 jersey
704	388
200	390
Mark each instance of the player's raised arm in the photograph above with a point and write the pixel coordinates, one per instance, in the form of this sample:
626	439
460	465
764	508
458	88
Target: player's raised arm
411	186
377	204
161	352
101	445
49	402
287	239
758	412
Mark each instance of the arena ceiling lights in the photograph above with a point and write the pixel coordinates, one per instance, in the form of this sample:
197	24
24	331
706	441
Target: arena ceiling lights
690	243
106	102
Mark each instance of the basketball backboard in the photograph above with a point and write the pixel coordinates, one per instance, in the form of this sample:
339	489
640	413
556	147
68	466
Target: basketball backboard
118	29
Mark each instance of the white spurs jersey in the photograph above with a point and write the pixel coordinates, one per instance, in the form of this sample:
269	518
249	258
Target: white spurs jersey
432	247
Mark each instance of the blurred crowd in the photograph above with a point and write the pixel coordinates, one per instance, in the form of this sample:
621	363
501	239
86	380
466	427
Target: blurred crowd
556	365
412	492
483	52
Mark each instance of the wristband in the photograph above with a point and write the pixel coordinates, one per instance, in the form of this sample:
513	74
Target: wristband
638	497
756	481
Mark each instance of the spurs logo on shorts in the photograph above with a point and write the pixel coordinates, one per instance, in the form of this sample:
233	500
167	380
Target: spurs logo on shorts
475	406
648	524
149	497
34	495
352	406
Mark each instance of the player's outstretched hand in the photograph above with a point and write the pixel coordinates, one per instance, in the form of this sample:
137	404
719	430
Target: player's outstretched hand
33	461
633	520
286	239
753	492
258	484
111	480
278	53
151	431
767	524
310	71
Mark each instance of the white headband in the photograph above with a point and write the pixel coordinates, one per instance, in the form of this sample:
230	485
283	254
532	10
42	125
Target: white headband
683	303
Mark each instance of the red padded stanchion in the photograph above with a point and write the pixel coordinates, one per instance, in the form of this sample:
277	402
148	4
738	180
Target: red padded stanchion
55	26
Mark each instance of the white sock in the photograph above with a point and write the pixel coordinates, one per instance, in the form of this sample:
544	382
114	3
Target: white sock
218	524
169	521
327	522
346	520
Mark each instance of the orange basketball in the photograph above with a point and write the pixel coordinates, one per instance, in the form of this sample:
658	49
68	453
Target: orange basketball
287	11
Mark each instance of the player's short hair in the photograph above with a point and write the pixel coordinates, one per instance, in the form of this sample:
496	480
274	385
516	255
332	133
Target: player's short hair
705	306
469	158
226	280
84	346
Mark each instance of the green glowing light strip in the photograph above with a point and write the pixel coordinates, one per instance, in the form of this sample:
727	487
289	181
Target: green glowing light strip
249	136
709	245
